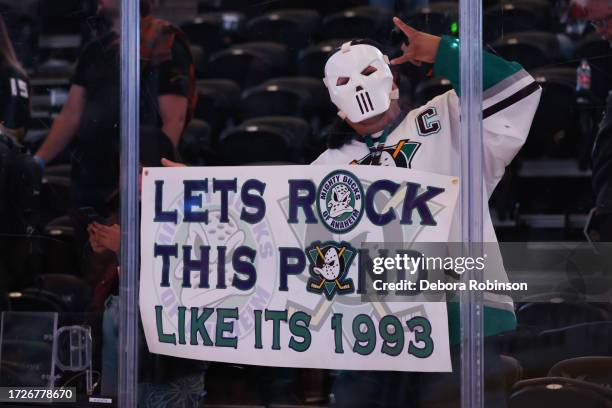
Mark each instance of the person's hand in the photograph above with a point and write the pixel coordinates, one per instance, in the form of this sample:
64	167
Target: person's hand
168	163
107	236
422	47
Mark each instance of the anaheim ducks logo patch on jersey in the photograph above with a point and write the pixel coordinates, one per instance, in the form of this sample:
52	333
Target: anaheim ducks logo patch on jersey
398	155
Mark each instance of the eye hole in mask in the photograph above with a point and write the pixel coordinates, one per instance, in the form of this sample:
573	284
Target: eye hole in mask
342	81
369	70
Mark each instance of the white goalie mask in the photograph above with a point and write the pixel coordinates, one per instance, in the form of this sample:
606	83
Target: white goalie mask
358	91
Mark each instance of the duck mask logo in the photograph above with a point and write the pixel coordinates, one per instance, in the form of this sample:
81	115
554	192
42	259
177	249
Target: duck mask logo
329	265
359	81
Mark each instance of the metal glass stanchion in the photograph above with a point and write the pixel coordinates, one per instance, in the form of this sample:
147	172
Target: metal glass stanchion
128	290
472	198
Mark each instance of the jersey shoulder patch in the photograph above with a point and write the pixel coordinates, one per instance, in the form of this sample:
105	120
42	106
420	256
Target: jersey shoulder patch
428	122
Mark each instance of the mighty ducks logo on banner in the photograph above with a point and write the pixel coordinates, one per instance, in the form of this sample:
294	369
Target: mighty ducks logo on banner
261	265
340	201
329	264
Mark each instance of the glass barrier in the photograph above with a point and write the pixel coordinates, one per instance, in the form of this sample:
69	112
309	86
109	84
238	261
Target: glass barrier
261	101
559	349
91	94
59	179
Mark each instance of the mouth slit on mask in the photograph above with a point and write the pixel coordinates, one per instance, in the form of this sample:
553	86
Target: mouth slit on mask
364	106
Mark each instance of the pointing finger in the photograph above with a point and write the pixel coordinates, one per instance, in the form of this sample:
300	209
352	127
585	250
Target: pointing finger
400	60
406	29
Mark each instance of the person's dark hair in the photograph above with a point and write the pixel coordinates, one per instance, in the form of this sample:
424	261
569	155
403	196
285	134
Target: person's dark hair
145	8
7	52
339	132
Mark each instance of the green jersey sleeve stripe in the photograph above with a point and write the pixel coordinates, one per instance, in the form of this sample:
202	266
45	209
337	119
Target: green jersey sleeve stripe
495	69
504	84
511	100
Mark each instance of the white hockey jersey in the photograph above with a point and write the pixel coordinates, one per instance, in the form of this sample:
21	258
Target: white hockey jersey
427	139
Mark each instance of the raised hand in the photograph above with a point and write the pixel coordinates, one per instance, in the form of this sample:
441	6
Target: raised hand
421	47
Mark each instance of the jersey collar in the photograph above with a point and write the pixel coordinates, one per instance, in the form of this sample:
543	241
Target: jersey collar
374	142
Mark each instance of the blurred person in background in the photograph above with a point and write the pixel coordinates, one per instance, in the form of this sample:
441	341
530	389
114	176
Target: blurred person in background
599	14
14	90
163	381
15	193
91	115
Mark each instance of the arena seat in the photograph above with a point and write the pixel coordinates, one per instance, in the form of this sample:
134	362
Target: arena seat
559	392
597	288
320	109
297	129
311	60
60	253
50	8
55	193
273	99
249	64
35	300
50	102
314	86
566	295
5	304
515	16
214	31
554	130
199	60
255	143
430	88
533	49
257	8
21	28
599	54
60	30
539	353
74	292
302	97
275	51
208	6
55	68
512	369
218	100
593	369
541	217
59	170
592	45
292	27
196	145
63	16
435	18
548	315
359	22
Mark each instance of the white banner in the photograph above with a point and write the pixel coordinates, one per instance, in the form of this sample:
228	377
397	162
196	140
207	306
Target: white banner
259	265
